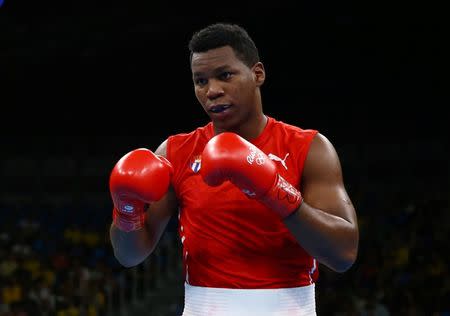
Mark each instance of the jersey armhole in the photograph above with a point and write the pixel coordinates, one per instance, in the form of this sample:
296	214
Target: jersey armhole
309	139
169	157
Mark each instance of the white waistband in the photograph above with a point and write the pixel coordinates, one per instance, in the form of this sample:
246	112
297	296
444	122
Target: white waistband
206	301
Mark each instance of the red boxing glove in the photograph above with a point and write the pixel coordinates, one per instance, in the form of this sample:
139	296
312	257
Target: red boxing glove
228	156
138	178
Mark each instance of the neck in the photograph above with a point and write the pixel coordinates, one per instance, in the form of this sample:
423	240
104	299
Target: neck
251	129
255	128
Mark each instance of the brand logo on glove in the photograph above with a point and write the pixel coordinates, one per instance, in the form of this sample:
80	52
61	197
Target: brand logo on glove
252	156
128	208
287	191
248	192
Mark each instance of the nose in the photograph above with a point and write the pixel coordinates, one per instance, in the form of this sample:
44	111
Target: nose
215	90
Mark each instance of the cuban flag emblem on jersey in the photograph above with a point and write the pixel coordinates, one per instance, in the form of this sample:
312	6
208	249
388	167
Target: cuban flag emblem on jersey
196	164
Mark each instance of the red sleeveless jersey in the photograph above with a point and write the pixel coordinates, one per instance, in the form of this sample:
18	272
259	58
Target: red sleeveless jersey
229	240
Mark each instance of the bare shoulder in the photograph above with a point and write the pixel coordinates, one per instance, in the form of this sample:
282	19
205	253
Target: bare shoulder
321	142
322	158
162	149
322	180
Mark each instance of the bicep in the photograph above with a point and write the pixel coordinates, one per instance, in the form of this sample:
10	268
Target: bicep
160	212
322	182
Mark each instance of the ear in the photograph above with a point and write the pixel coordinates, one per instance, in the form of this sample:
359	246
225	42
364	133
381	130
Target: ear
259	73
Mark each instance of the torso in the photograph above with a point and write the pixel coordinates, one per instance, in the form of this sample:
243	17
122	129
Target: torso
229	240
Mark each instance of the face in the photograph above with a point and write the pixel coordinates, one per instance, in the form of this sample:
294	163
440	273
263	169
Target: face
227	89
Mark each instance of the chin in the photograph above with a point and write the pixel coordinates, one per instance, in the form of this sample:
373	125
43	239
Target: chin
225	125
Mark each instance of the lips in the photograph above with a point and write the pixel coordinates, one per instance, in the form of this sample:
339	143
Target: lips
218	108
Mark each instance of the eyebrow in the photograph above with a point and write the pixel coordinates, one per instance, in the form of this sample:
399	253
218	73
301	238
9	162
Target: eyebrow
215	71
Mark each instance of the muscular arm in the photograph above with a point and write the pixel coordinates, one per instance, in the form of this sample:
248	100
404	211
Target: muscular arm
133	247
325	224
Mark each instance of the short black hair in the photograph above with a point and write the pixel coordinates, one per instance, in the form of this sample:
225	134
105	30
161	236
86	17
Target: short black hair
225	34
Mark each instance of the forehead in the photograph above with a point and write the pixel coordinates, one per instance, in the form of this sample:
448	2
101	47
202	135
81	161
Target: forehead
214	58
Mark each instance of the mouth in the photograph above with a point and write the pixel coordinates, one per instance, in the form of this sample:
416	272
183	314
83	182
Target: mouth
219	108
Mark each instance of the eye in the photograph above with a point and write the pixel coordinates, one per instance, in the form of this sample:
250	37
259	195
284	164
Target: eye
225	75
200	81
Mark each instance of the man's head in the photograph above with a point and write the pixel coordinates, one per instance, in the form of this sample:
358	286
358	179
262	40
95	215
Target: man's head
223	34
227	76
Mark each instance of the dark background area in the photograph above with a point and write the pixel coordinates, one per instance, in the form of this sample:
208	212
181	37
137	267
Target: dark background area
89	81
337	67
84	82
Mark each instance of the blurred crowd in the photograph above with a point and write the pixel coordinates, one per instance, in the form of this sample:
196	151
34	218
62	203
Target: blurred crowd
58	261
403	263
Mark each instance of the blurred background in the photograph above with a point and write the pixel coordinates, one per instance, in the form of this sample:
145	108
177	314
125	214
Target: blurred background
84	82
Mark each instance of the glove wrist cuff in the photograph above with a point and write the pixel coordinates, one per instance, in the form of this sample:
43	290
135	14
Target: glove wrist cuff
283	198
128	222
